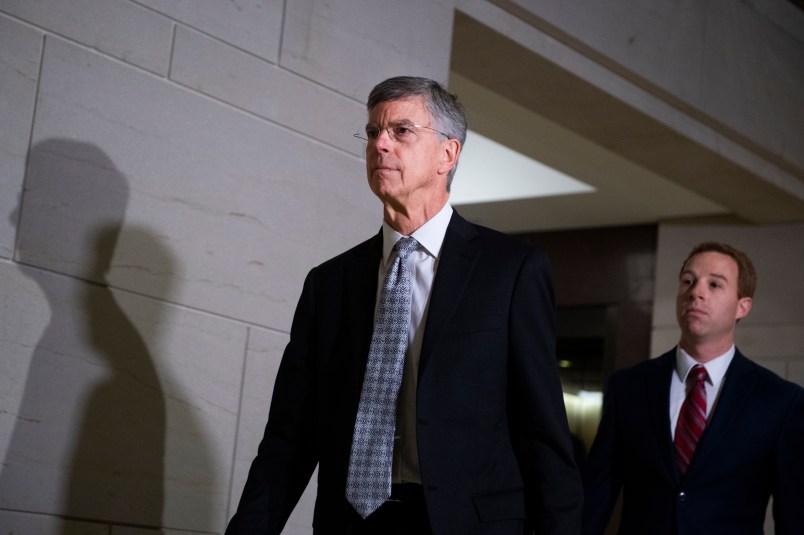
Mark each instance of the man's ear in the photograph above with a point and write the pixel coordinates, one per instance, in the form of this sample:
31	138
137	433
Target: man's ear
449	155
743	307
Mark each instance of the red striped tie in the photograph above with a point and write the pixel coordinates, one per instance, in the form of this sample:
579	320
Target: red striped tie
691	419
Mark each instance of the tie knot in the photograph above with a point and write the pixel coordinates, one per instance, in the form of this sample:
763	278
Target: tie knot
698	373
405	246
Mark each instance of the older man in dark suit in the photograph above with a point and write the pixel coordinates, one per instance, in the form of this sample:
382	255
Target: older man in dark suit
700	438
420	375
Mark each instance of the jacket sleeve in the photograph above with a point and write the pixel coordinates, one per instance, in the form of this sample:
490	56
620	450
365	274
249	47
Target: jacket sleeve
788	489
601	476
538	418
286	457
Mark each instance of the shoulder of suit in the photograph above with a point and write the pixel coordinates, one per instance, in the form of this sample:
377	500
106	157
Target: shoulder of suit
495	240
768	378
372	247
764	385
639	371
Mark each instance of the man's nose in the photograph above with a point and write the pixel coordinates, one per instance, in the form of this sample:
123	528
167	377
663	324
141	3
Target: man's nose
694	291
384	139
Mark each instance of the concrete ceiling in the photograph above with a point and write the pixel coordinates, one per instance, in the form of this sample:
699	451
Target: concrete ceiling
642	171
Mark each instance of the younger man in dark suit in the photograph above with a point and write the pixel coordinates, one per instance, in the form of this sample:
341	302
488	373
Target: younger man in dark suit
476	441
700	438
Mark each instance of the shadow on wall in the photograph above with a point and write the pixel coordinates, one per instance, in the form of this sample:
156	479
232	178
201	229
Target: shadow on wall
90	438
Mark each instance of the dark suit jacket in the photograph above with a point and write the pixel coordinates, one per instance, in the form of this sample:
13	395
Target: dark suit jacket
752	448
493	440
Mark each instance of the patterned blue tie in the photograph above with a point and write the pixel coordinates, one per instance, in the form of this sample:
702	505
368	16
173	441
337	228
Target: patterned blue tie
368	483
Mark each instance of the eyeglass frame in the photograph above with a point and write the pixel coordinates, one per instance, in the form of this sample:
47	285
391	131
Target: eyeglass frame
391	134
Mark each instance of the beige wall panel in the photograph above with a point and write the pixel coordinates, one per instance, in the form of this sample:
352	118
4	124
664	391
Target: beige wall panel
20	50
777	340
252	25
24	315
663	338
271	92
127	409
351	46
125	530
245	206
119	28
727	60
15	523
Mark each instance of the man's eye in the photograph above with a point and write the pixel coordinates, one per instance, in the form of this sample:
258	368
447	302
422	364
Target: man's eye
401	131
372	133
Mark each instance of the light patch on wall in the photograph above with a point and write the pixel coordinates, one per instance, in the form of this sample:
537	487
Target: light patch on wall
489	171
583	414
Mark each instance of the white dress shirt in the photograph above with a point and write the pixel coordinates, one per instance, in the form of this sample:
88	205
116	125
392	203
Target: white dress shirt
715	368
423	263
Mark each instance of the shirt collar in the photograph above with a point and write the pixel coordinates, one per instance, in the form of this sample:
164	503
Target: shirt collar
715	368
430	235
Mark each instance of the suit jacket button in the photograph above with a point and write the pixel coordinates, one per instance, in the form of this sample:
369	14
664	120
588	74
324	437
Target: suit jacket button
682	496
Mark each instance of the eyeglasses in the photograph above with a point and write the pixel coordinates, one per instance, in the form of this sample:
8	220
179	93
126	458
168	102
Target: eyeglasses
403	132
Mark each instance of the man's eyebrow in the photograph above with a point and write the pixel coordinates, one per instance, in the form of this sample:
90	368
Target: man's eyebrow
714	275
399	121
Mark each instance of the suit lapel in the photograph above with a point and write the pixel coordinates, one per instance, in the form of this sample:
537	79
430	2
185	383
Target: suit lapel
736	390
455	265
361	275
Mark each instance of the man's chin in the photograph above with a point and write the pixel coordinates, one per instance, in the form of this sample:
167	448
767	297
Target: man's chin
381	187
691	327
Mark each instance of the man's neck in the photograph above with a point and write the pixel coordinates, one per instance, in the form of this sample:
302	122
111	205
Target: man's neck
407	221
704	351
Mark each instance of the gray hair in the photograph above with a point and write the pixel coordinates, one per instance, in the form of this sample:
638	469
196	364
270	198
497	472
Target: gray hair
447	113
